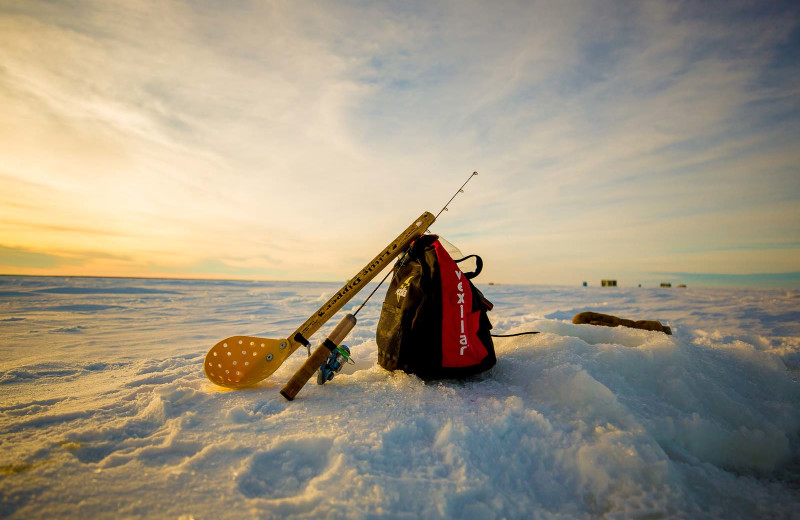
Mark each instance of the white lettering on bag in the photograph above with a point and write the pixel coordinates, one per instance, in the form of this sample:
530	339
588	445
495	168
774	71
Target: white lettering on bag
462	339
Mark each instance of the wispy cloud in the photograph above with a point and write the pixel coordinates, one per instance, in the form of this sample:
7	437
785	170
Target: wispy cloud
607	133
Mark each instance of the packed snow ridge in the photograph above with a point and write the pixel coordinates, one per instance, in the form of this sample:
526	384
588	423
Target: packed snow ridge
105	411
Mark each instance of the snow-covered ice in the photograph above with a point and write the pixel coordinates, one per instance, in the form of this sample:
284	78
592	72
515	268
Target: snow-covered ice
105	411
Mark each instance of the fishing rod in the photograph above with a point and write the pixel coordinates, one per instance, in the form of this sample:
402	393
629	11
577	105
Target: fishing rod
331	353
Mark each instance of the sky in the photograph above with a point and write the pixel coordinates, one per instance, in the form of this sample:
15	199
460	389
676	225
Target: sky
643	141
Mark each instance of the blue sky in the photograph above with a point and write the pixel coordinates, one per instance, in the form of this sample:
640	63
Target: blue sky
292	140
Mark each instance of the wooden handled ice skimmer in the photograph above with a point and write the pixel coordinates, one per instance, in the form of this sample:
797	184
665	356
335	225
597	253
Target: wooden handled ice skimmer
241	361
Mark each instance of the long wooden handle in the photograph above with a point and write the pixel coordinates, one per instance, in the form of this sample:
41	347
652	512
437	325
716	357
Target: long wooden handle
312	364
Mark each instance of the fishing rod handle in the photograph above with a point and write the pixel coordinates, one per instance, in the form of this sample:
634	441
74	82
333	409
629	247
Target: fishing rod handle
318	357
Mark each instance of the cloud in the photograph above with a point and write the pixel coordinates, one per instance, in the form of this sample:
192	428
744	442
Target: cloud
14	258
17	260
267	134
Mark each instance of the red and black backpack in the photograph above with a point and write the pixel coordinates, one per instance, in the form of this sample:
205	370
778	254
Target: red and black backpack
433	322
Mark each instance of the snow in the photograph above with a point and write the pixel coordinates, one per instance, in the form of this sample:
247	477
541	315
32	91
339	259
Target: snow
105	411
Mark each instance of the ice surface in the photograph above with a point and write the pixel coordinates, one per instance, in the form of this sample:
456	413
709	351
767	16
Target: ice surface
105	412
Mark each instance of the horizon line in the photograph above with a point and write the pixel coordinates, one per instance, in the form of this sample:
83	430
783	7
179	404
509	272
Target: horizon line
577	284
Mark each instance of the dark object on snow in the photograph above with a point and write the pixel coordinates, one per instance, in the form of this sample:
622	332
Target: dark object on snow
433	322
608	283
607	320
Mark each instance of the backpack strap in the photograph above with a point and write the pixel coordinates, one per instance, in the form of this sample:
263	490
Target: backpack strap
478	264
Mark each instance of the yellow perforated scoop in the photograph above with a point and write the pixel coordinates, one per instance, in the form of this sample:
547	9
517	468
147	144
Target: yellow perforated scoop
244	360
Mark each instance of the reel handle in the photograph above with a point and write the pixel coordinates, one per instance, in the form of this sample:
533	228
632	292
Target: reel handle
318	357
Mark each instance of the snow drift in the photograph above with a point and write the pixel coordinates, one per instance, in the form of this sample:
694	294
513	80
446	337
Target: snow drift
105	413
